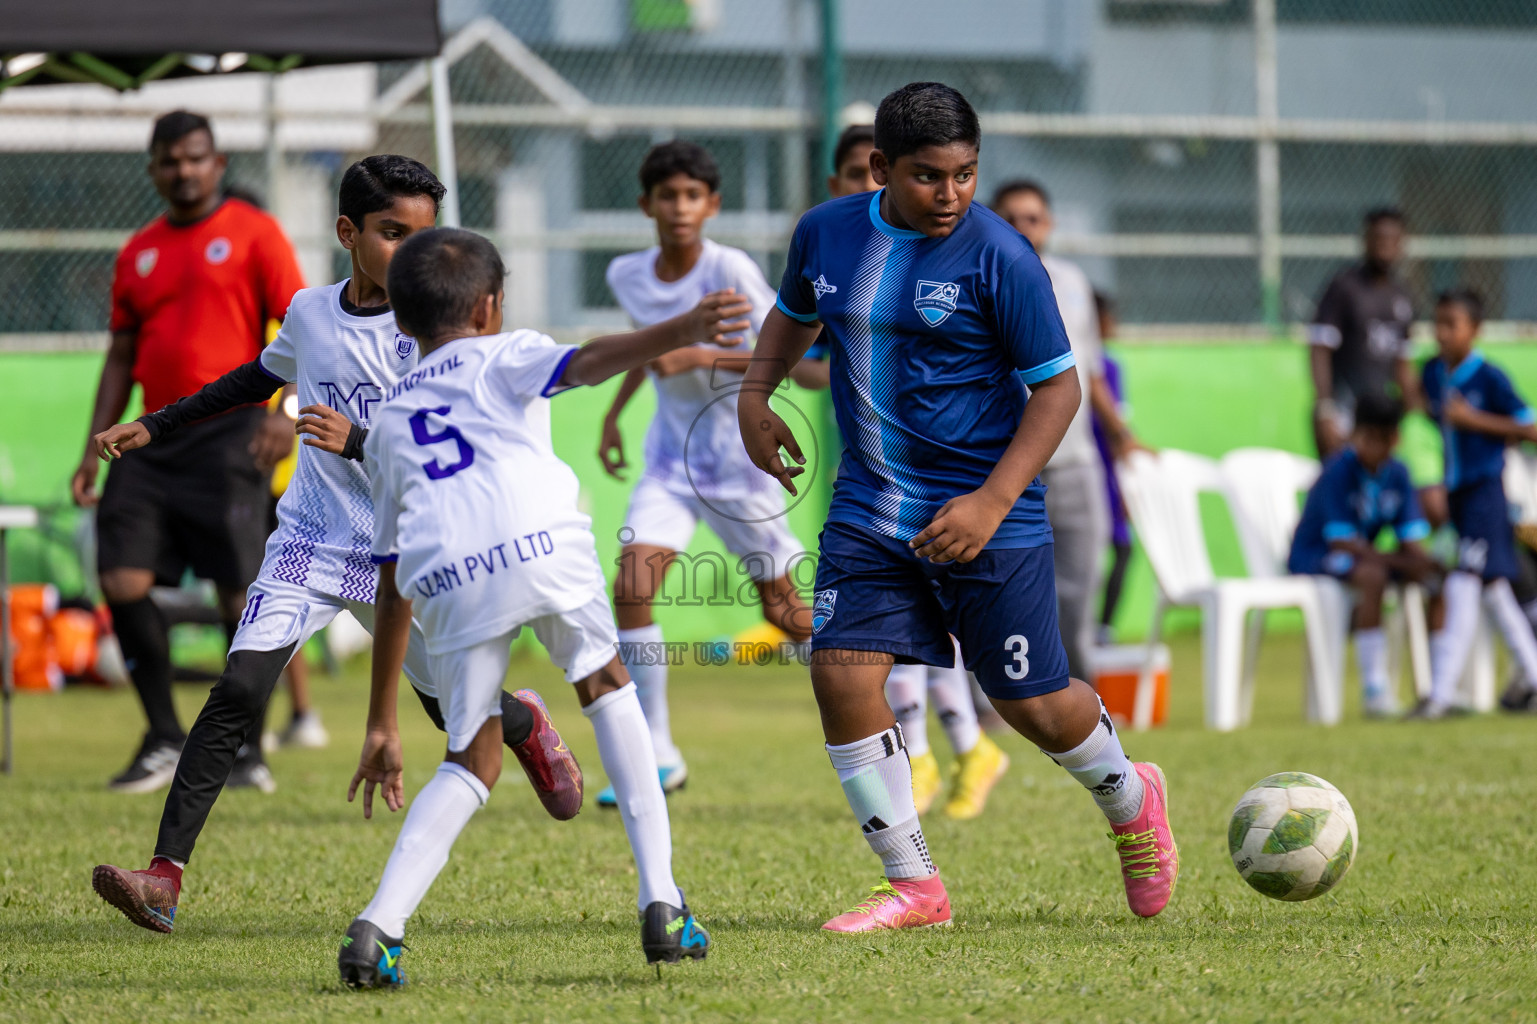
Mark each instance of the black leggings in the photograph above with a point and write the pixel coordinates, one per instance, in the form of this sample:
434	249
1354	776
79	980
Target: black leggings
235	707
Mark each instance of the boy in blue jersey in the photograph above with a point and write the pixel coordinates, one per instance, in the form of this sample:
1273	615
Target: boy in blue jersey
1361	492
1479	413
939	316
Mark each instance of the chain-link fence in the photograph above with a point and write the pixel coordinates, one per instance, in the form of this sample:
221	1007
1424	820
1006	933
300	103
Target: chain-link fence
1209	160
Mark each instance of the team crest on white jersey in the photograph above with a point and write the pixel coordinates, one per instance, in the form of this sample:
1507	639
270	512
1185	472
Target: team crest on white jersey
936	300
821	287
145	261
404	343
218	250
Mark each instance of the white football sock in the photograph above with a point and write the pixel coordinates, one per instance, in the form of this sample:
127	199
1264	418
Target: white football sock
1451	645
1372	657
624	746
877	779
437	816
1517	631
1105	771
645	657
950	693
906	692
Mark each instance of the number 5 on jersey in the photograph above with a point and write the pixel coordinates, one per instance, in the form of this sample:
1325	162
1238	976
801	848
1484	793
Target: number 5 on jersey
423	435
1018	647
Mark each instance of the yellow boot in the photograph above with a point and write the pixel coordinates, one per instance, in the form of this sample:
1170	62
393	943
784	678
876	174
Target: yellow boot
976	772
926	783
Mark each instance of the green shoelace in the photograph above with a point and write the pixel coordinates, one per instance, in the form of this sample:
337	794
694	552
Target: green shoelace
878	894
1139	853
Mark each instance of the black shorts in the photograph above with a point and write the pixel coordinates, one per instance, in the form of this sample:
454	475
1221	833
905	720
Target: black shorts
192	501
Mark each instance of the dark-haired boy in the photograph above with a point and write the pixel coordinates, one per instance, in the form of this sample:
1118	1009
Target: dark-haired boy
1480	413
478	534
192	293
696	468
1362	491
940	315
341	345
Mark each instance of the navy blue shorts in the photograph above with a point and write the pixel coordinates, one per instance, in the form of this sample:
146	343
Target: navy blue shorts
1486	542
874	594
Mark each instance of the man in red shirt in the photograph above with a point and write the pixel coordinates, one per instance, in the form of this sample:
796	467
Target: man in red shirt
192	293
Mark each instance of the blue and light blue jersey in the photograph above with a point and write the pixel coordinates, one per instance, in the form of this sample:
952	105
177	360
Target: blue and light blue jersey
1471	456
932	342
1348	503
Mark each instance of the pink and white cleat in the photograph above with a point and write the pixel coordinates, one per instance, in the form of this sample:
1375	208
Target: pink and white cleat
1149	855
900	903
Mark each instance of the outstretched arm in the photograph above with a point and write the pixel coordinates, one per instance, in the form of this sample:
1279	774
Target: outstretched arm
967	522
717	316
246	384
1463	416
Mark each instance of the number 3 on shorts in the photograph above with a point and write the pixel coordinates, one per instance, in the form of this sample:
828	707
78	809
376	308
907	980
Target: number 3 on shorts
1018	646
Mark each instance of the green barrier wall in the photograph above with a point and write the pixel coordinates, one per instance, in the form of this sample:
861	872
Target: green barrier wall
1206	398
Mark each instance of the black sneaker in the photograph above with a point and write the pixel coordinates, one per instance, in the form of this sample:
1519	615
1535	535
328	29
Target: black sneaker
369	958
1519	696
250	772
669	933
152	768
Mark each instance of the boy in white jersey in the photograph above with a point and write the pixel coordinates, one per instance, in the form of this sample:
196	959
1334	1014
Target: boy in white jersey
340	344
696	467
478	534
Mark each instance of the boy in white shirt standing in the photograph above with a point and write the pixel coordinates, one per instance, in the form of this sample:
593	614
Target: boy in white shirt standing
478	534
696	467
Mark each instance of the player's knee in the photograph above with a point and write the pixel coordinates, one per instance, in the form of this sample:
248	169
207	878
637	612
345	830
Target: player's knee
123	586
248	680
1370	576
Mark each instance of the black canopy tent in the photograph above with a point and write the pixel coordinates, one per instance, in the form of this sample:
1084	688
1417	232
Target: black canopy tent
124	44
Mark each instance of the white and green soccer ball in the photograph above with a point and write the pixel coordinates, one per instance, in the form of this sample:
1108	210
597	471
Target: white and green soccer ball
1293	836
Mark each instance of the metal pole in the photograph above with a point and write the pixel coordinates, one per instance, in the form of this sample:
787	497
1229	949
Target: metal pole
443	139
832	81
274	152
7	666
1267	163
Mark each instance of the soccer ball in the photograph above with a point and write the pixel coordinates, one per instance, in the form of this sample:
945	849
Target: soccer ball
1293	836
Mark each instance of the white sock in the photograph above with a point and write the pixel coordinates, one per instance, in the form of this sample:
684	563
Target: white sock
906	692
624	746
877	779
950	693
643	653
1105	771
1451	645
1517	631
437	816
1372	656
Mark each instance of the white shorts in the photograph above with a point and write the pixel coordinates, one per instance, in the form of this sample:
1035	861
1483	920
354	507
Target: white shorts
580	642
752	528
278	613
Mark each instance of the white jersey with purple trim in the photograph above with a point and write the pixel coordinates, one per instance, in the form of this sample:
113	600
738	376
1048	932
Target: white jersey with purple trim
326	517
694	446
472	502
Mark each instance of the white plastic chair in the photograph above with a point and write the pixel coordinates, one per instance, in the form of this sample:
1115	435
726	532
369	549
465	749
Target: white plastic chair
1262	487
1162	496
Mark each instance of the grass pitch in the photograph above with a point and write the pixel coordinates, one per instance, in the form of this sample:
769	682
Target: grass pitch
534	919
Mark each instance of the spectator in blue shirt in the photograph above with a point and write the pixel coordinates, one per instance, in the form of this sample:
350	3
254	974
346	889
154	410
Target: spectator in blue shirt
1362	492
1479	413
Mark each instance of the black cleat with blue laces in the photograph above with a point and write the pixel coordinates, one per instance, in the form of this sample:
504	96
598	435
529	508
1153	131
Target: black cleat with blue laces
669	933
369	958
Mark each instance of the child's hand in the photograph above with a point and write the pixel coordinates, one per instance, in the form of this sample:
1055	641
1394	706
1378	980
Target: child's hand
611	450
124	437
763	434
1459	413
323	427
716	318
961	529
382	765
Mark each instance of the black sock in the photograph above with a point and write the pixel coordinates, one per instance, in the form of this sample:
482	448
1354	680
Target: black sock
517	720
144	635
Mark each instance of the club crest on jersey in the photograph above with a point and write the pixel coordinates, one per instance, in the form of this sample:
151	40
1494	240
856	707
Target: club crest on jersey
936	300
821	287
404	343
822	611
145	261
218	251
